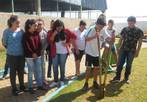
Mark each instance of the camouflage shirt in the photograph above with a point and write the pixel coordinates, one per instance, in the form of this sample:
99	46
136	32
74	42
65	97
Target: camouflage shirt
130	38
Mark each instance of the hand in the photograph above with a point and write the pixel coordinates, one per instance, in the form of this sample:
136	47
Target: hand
55	33
77	51
97	34
34	55
64	43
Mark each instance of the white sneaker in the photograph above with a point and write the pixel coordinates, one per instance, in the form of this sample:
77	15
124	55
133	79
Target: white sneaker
61	83
53	84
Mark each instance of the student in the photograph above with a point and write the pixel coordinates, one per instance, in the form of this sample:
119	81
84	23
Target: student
108	34
43	36
49	53
130	45
32	50
60	39
80	44
12	40
92	52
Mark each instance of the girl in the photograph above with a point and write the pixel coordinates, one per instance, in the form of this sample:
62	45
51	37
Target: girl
60	39
32	50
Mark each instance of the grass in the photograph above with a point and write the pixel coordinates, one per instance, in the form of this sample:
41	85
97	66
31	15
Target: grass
2	57
136	91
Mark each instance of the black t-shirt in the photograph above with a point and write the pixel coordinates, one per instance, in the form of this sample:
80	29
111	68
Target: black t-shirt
131	37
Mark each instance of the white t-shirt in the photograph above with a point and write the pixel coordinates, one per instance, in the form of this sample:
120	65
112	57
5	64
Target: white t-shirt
60	48
107	33
80	39
43	37
92	45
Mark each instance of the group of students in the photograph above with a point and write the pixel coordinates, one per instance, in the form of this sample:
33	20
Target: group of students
31	44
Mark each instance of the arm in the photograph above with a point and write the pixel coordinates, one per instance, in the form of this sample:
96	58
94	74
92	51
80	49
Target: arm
139	44
5	39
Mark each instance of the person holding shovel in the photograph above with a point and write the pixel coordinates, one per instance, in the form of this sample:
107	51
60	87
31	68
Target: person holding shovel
92	52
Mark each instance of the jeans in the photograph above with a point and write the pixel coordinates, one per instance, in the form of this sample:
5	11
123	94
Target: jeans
59	60
128	57
49	66
6	66
34	66
43	65
17	64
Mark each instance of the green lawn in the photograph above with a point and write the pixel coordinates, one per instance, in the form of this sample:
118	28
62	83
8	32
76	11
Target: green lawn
136	91
2	58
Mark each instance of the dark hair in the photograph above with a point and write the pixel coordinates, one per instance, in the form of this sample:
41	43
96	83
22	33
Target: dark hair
101	21
82	22
111	21
62	35
29	23
131	18
11	20
57	23
52	21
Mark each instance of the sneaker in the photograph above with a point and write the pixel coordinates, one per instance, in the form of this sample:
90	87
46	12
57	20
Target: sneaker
41	88
61	83
96	85
53	84
85	87
32	91
23	89
15	92
126	81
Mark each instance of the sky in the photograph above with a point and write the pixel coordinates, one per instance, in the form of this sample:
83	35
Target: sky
126	7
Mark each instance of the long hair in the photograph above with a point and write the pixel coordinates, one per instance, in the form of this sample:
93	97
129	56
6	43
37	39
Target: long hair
29	23
57	23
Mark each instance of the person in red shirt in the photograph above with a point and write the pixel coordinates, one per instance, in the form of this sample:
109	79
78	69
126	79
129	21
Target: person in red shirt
32	52
60	39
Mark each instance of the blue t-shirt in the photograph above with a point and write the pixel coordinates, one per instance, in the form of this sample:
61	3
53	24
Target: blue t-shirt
13	41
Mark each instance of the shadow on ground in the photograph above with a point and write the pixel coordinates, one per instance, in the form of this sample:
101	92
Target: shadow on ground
112	89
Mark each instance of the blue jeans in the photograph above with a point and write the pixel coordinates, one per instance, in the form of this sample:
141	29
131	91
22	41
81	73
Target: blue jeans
34	66
128	57
43	65
59	60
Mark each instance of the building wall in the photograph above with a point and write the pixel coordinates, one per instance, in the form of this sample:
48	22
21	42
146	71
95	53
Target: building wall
69	23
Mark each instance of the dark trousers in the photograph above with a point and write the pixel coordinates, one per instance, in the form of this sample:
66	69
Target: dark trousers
6	66
17	64
128	57
49	66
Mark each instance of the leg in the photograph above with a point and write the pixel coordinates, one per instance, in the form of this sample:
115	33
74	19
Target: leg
130	58
43	66
30	64
105	55
55	67
13	68
20	69
49	66
95	73
121	62
62	62
6	66
38	71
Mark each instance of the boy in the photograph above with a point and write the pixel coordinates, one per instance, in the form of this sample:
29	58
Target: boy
92	52
81	45
130	44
